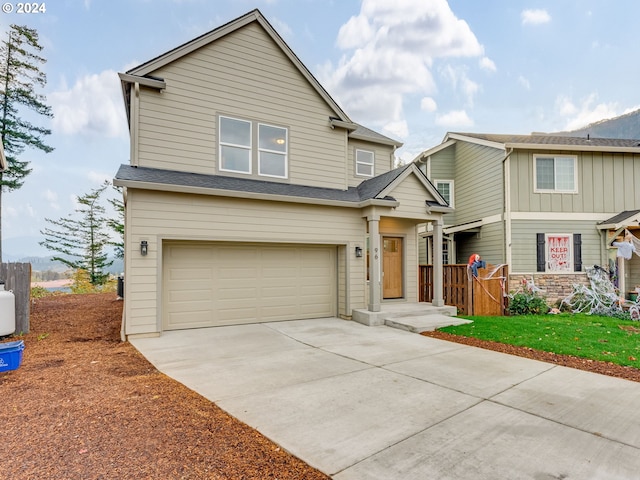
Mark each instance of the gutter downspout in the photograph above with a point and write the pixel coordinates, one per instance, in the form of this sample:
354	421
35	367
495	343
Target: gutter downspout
507	205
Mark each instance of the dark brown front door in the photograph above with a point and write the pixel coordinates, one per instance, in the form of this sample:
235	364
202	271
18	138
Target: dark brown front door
392	267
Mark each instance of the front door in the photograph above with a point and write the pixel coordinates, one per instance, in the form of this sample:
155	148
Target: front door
392	267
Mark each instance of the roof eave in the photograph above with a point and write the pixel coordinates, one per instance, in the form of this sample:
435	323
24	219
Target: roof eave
381	141
575	148
165	187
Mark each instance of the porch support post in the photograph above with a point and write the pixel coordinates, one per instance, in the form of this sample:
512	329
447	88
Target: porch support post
438	292
375	266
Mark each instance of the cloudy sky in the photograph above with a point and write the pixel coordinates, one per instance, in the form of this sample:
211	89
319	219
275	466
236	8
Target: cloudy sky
411	69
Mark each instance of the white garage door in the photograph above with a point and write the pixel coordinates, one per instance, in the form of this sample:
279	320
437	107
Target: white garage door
212	284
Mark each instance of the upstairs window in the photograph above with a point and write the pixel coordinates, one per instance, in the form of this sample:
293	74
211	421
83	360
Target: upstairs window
253	148
445	188
555	174
364	163
272	151
235	145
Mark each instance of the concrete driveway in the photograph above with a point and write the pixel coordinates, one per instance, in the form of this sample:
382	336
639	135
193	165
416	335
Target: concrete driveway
362	402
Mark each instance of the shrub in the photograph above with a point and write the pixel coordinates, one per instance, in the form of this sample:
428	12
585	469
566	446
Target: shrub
527	303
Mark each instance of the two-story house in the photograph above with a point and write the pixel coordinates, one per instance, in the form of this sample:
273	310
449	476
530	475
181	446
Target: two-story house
251	196
547	206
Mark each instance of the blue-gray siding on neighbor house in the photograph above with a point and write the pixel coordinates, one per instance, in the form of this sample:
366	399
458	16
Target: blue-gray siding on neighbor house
606	183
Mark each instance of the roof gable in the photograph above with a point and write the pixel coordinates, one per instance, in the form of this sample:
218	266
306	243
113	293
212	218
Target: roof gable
383	185
146	69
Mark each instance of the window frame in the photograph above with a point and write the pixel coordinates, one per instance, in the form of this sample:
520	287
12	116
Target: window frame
451	190
233	145
285	154
536	189
253	148
372	164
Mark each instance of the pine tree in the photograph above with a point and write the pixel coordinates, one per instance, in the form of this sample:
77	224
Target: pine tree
117	224
20	74
82	241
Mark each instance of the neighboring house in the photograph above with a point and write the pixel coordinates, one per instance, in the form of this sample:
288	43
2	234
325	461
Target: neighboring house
252	197
547	206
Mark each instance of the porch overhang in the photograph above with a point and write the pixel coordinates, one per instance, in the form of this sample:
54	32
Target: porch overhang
628	218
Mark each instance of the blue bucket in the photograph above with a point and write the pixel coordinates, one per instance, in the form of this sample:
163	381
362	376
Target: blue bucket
11	355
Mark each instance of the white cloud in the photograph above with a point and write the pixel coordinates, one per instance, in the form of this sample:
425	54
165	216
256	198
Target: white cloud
283	29
454	118
457	77
535	17
51	198
487	64
389	49
588	111
428	104
397	129
98	178
93	106
524	82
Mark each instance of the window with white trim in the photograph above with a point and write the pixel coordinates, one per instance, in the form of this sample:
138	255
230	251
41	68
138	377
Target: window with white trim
364	163
272	151
246	147
235	145
555	173
445	188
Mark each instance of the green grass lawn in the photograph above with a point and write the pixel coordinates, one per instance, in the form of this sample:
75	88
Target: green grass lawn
588	336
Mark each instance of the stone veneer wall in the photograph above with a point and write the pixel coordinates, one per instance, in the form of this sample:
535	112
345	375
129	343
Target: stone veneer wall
554	286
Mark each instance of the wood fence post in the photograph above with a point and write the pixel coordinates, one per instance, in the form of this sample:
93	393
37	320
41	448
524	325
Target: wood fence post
17	278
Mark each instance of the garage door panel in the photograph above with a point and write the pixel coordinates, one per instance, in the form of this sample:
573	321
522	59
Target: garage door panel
209	284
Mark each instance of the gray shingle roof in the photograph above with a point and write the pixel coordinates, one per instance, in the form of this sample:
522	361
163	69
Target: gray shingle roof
546	139
367	190
619	218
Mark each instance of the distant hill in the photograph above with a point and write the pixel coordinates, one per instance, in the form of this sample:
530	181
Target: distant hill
43	264
625	126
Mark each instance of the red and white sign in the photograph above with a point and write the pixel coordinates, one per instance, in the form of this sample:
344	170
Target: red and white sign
558	252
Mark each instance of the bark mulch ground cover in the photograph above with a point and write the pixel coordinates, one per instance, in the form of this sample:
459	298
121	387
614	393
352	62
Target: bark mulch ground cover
84	405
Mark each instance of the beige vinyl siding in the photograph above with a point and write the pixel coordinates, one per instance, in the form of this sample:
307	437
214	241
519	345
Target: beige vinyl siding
155	216
412	195
408	231
243	75
523	244
383	160
489	243
607	183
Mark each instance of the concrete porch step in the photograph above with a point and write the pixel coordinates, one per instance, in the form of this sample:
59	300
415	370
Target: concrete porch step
413	317
424	323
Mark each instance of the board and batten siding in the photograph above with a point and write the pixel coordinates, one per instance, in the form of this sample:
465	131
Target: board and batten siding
244	75
607	183
155	216
523	241
489	244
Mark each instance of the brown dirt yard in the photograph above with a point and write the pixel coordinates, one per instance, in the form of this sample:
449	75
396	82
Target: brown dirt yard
84	405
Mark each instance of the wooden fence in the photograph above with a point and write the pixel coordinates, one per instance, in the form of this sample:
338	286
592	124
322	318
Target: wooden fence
471	296
17	278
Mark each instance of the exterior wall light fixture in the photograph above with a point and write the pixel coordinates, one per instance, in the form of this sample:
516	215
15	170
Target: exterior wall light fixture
358	252
144	248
